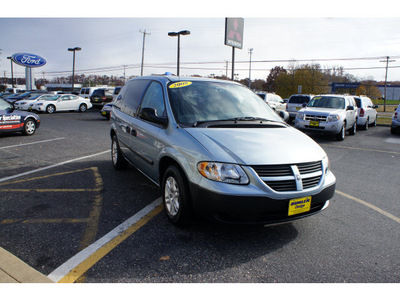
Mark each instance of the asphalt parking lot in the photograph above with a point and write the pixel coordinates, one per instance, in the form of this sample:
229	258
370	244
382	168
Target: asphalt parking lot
63	209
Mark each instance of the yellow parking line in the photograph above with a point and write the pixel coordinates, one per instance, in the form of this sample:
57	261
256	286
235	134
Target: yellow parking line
49	190
394	218
94	169
363	149
85	265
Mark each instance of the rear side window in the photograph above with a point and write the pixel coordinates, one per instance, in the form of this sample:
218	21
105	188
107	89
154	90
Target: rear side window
133	93
98	93
299	99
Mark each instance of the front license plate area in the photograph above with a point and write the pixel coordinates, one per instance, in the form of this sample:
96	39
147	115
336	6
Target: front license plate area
314	123
299	205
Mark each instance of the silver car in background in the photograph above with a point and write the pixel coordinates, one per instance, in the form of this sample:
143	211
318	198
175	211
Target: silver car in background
333	114
295	103
217	149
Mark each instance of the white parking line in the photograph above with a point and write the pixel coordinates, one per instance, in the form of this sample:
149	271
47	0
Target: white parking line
52	166
73	269
26	144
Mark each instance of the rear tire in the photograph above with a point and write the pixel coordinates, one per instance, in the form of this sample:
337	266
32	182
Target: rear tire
353	130
50	109
83	107
118	160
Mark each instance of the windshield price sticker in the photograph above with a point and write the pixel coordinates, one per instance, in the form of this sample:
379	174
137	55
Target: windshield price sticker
300	205
180	84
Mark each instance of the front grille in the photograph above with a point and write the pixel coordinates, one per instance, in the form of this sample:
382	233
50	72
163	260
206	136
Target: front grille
315	118
282	178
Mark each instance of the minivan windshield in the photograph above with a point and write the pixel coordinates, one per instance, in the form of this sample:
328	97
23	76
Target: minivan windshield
202	101
327	102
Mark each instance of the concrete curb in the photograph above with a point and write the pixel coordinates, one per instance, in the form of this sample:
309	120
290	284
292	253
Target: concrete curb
14	270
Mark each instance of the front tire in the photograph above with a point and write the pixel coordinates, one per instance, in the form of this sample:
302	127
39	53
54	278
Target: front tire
175	196
29	127
341	135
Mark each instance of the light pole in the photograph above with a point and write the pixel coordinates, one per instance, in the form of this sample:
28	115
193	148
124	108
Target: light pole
73	65
12	72
178	34
250	52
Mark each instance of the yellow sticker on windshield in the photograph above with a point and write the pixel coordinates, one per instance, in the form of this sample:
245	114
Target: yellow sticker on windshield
180	84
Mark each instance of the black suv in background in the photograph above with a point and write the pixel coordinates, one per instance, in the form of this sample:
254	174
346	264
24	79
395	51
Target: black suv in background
102	96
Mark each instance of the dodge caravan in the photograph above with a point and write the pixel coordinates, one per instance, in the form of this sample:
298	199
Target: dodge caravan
217	149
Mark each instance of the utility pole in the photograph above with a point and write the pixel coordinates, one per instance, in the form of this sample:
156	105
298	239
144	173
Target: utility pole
387	66
124	73
144	40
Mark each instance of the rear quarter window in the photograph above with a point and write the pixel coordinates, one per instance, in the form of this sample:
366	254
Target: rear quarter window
132	95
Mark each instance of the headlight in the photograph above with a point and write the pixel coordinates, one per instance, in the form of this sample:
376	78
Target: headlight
333	118
227	173
300	116
326	164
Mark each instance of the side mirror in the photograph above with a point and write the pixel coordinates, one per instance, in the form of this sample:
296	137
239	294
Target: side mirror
149	114
304	104
283	114
375	106
350	107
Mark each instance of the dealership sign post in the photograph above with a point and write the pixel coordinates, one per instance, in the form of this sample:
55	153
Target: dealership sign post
28	61
234	36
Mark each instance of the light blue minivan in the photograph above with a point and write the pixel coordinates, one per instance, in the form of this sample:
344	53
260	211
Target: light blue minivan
216	149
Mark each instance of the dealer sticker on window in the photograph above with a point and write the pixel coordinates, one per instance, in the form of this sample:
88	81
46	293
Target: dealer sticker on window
180	84
300	205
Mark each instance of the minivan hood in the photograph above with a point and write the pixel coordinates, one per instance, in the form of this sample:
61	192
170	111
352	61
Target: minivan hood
258	146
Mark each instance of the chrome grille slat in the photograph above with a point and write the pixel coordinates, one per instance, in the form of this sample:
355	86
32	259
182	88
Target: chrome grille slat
282	179
315	118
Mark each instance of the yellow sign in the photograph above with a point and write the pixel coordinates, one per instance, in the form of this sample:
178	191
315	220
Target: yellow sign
300	205
180	84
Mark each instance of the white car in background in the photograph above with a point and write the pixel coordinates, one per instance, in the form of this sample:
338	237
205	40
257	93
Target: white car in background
273	100
27	103
66	102
367	114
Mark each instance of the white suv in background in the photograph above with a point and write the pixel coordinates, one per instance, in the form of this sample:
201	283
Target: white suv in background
329	114
367	114
295	103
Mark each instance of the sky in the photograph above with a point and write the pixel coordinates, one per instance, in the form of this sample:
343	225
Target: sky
350	34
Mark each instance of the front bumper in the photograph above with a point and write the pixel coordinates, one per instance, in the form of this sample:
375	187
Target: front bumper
328	127
252	209
395	124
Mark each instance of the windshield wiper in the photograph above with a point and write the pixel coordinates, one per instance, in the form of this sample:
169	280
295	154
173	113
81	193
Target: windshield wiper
235	120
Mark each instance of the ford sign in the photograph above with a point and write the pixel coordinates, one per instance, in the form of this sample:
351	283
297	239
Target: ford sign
28	60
